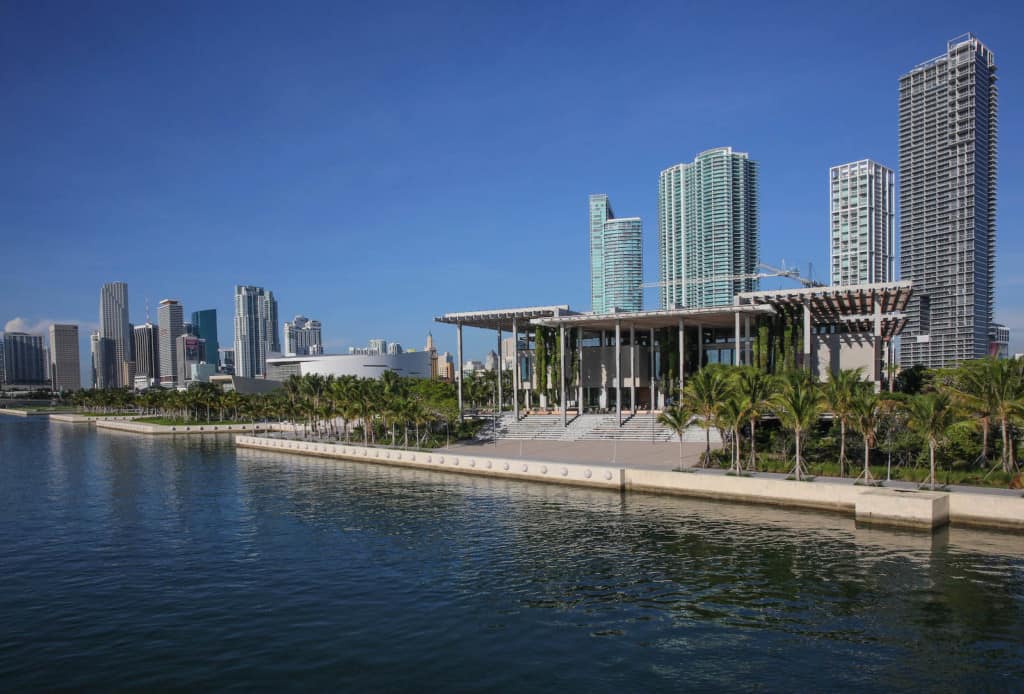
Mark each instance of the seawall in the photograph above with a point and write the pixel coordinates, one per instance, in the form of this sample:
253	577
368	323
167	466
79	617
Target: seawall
917	509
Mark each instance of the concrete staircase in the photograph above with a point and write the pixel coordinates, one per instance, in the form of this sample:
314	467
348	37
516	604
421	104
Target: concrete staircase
642	426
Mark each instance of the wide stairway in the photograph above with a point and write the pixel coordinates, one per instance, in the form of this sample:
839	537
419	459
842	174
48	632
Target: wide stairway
642	426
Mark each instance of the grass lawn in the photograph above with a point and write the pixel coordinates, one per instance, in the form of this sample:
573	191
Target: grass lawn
177	422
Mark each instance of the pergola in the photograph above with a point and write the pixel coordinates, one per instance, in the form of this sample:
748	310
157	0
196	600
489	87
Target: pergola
875	309
509	319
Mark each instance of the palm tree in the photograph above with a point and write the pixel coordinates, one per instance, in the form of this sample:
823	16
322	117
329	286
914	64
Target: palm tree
732	415
930	416
1008	401
797	404
703	395
757	388
839	393
866	416
677	418
972	387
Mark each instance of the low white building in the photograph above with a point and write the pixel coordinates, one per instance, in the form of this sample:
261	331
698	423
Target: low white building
412	364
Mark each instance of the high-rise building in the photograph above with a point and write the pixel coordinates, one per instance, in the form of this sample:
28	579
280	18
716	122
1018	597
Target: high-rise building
394	348
708	229
24	359
115	326
190	351
256	333
204	325
65	368
147	353
103	353
303	337
948	204
861	223
171	321
616	259
227	360
377	346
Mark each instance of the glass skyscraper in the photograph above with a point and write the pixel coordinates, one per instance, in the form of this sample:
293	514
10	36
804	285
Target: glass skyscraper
204	324
861	223
115	326
948	204
256	332
616	259
708	229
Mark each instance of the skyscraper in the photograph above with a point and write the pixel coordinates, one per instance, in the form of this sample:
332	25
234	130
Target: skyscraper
171	321
303	337
255	330
115	326
204	324
147	353
101	349
707	229
948	203
616	259
189	350
24	360
861	223
65	369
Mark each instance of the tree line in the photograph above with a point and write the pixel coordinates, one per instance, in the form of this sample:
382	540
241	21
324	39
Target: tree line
949	413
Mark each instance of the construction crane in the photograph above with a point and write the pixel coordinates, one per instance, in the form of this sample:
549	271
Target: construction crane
766	271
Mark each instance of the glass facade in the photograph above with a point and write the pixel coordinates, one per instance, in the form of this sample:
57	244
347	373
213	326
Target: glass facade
861	223
204	324
616	259
708	240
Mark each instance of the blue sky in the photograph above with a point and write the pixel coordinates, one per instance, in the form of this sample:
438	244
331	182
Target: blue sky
377	168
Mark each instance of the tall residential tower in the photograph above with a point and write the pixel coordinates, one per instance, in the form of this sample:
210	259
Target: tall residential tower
171	321
948	204
65	369
616	259
861	223
255	330
707	229
303	337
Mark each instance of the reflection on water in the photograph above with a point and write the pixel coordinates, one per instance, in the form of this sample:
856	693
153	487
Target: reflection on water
172	562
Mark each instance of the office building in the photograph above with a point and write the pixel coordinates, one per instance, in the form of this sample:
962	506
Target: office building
171	326
303	337
147	355
102	353
256	332
616	259
204	325
24	360
999	341
65	367
227	361
394	348
115	326
861	223
708	230
377	346
190	351
491	361
947	109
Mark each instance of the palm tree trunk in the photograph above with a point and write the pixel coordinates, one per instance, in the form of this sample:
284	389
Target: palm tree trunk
931	456
753	444
797	468
867	469
707	446
842	447
1006	445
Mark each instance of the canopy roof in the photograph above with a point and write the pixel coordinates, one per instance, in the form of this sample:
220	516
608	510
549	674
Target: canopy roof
501	319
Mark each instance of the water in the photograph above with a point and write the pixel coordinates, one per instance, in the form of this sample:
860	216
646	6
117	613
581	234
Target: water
138	563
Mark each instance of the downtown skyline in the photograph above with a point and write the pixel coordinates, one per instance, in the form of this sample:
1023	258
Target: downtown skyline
333	211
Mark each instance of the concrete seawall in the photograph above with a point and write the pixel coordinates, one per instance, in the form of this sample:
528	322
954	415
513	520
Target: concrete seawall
197	428
924	510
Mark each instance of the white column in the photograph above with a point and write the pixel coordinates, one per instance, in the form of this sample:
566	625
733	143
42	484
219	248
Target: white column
458	327
499	370
807	336
650	371
561	373
579	370
603	398
632	368
515	369
618	373
736	339
878	345
682	357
